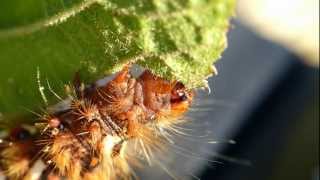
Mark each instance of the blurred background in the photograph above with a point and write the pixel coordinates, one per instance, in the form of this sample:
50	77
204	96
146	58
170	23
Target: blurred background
261	121
262	118
292	23
270	74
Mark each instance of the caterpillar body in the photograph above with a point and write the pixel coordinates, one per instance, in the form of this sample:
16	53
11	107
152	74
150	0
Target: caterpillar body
102	133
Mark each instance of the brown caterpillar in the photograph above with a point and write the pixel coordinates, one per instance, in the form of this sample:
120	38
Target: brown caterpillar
102	133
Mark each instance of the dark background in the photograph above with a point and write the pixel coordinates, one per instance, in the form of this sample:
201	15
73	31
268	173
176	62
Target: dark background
275	121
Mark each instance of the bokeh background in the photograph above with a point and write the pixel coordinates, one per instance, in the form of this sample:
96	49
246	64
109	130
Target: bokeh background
270	72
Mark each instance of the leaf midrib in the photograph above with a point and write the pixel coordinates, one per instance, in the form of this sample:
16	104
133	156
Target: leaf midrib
64	15
53	20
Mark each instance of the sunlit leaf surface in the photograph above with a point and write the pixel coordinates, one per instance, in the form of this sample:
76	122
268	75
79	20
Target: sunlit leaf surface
177	39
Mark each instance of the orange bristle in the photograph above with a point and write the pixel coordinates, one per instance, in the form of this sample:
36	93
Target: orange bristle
103	131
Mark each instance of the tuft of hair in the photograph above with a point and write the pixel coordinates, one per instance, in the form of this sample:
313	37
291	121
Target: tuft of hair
15	163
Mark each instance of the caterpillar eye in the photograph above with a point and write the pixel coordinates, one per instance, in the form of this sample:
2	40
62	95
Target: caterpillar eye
182	96
178	93
179	96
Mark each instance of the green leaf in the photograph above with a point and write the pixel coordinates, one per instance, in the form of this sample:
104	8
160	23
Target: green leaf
178	39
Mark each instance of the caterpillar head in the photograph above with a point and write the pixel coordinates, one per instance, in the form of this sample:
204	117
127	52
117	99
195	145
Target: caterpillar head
168	98
181	99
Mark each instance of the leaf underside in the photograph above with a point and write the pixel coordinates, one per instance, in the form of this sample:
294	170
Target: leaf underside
178	40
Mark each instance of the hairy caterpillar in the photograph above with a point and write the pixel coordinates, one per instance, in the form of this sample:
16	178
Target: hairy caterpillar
102	133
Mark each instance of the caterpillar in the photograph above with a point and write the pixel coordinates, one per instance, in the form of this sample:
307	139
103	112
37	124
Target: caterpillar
102	133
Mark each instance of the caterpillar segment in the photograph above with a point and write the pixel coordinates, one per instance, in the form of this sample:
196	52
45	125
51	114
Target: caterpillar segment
103	133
